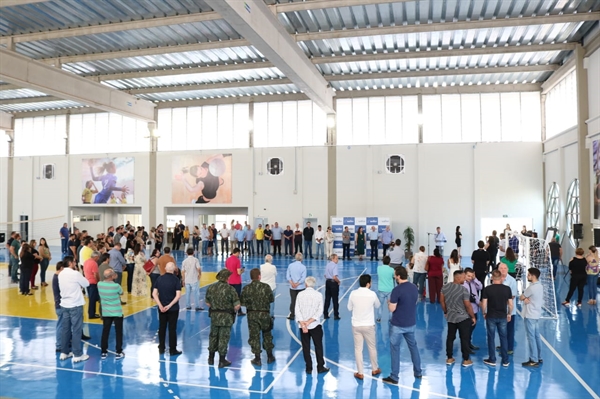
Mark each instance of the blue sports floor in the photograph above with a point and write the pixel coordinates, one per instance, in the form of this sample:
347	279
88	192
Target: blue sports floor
29	366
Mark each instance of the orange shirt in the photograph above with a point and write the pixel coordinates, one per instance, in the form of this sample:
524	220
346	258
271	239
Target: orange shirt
162	263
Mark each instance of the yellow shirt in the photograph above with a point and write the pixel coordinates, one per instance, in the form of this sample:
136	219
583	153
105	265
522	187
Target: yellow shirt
123	200
86	253
87	195
186	234
112	201
260	234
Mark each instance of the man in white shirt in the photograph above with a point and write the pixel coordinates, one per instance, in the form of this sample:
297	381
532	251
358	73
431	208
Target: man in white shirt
320	240
71	282
123	240
419	261
205	237
373	237
268	274
191	274
362	303
308	311
502	246
440	240
224	239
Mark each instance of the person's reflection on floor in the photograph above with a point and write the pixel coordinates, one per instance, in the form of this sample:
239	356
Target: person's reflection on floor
535	383
468	385
308	383
218	380
450	390
171	379
435	328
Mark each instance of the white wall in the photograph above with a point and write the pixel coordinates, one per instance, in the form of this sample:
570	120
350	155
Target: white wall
443	185
3	190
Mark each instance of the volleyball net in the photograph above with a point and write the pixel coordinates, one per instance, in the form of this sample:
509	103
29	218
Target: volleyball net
34	229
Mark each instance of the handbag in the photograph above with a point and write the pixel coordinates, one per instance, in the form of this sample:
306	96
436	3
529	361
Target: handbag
149	266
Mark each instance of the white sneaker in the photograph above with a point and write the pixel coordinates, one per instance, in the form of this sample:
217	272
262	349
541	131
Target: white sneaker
64	356
81	358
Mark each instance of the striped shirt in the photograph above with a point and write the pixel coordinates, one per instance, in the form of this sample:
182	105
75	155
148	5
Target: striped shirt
455	295
110	297
309	305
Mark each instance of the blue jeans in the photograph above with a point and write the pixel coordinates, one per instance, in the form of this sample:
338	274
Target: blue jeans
59	323
14	267
260	248
192	290
307	249
396	333
204	247
72	326
383	298
215	248
419	281
64	242
592	282
510	332
533	339
196	243
500	325
320	250
555	263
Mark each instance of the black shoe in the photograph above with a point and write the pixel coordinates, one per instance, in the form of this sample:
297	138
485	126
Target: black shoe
270	358
473	347
540	361
85	337
291	317
530	363
96	316
256	361
161	351
175	352
211	358
337	318
224	363
199	309
323	370
389	380
325	317
308	371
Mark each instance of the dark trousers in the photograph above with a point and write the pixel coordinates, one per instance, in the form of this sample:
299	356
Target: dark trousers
578	281
216	246
297	246
64	245
293	296
435	288
260	249
153	278
510	332
176	242
481	275
374	249
107	322
464	331
288	247
225	246
167	319
94	298
129	276
317	337
385	248
332	291
345	251
24	280
276	247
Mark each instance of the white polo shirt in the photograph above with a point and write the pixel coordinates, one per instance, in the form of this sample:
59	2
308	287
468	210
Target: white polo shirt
319	236
71	282
268	275
362	303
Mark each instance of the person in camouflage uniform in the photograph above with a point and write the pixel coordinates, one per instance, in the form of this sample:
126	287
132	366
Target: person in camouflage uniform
257	298
224	303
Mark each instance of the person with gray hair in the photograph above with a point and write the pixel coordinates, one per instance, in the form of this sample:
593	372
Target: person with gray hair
268	274
296	273
308	310
166	294
91	274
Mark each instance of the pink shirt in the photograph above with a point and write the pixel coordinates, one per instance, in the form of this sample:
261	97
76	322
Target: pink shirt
90	268
233	264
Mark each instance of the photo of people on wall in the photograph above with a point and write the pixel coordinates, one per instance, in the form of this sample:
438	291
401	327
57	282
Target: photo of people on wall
202	179
596	177
107	181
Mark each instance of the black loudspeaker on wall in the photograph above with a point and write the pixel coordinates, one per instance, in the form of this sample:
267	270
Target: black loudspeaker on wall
578	231
2	237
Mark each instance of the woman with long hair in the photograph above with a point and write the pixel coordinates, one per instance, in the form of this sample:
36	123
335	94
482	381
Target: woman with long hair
140	279
155	273
453	264
27	262
159	237
360	243
592	270
510	260
458	239
36	263
435	274
577	267
44	252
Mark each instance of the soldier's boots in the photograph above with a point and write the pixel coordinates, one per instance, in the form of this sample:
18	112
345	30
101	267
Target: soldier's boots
211	358
223	362
270	357
256	361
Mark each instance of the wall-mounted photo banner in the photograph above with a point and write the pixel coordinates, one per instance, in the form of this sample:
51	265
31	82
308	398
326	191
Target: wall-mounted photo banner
201	179
596	177
107	181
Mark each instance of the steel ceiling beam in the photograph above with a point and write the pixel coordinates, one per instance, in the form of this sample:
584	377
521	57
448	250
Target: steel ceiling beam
473	89
449	26
29	100
5	122
254	21
209	86
9	87
25	72
409	55
323	4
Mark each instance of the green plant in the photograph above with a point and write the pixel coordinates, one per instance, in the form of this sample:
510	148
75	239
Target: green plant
409	238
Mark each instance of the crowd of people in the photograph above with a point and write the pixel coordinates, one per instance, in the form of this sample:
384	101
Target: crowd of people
97	265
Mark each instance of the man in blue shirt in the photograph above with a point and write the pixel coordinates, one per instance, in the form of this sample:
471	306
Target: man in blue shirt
440	240
117	262
277	235
332	288
249	236
64	238
403	305
386	239
374	241
296	274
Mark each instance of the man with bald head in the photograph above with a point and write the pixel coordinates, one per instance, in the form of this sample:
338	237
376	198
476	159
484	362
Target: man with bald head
112	312
166	294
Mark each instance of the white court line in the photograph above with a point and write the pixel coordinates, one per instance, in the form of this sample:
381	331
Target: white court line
160	380
567	366
182	363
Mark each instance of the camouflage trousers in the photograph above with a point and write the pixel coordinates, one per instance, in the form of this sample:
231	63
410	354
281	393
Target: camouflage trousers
260	322
218	340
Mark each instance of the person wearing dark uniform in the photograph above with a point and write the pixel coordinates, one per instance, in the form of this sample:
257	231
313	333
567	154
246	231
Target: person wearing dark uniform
211	182
224	303
257	298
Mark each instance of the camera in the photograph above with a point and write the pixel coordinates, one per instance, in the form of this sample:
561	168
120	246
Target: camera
472	298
